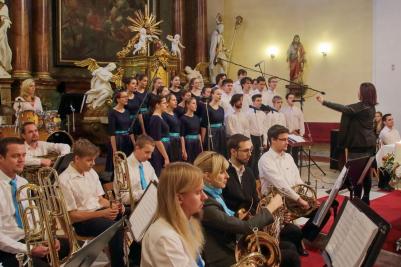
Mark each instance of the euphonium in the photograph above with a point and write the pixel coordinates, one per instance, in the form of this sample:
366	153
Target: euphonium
121	175
38	227
256	250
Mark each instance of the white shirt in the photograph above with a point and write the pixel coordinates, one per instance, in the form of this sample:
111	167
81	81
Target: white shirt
295	118
273	118
237	123
225	103
280	171
257	124
162	246
81	192
246	101
240	171
43	148
24	105
10	233
267	97
134	174
389	136
237	88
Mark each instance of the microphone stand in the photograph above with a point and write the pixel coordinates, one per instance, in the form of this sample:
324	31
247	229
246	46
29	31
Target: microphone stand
17	119
209	130
271	75
73	118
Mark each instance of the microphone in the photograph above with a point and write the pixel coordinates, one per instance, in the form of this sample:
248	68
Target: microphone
258	64
268	108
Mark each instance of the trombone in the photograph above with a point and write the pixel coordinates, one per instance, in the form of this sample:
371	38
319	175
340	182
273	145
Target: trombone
41	208
121	176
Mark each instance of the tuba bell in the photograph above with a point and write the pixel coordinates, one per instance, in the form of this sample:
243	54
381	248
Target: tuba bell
121	177
258	249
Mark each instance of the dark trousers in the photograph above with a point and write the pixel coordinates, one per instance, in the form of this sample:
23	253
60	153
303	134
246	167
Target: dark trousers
292	234
289	255
367	182
311	231
10	260
384	178
95	227
257	142
295	153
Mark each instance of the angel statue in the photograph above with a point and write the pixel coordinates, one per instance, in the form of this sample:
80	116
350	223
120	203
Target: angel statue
5	50
217	50
100	89
175	45
193	73
140	46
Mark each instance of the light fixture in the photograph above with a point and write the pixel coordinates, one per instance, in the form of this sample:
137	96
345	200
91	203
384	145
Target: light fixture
324	48
272	51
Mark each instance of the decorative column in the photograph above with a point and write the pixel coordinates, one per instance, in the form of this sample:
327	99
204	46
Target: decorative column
40	11
20	39
178	27
201	32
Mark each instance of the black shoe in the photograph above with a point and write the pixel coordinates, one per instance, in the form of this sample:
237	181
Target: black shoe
366	200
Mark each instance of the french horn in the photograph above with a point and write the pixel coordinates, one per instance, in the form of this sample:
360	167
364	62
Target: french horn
308	194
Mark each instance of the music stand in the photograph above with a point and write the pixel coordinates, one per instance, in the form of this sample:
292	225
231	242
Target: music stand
359	223
87	255
357	170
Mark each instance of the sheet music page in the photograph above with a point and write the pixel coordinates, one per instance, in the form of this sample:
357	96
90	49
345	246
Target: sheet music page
144	212
351	238
296	138
317	220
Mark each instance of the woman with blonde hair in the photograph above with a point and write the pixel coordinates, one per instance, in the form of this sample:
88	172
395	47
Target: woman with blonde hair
175	238
219	222
27	100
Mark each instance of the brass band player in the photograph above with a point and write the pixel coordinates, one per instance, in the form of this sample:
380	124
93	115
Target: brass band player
35	149
12	159
90	213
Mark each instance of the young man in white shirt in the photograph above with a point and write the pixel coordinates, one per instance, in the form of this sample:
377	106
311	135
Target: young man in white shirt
258	131
246	84
237	122
36	149
140	170
90	213
295	121
227	86
389	135
12	159
241	73
278	169
271	91
274	117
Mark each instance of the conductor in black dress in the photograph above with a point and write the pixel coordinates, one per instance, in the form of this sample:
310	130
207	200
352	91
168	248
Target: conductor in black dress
159	131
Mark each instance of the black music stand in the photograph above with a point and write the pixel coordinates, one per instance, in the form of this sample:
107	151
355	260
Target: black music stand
383	228
357	170
87	255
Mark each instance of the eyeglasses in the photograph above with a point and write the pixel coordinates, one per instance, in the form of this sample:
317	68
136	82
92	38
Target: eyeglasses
249	150
283	139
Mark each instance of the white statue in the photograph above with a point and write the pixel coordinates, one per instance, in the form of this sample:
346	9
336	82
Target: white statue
175	45
217	50
192	73
5	50
143	40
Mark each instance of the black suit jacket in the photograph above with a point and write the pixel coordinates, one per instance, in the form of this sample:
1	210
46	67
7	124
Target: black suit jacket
241	195
221	230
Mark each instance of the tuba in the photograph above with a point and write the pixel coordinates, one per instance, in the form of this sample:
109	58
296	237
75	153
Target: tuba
256	250
121	176
42	208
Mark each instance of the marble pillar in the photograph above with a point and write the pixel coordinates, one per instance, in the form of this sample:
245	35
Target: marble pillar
201	32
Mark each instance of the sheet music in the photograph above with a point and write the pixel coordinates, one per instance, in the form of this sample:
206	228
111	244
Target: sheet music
317	220
144	212
296	138
351	238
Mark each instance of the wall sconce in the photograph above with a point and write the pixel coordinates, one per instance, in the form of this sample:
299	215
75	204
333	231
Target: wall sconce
272	51
324	48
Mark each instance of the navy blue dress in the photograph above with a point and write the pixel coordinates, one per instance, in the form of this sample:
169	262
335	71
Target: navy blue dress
179	111
190	129
133	108
143	97
174	126
159	131
217	129
178	95
119	126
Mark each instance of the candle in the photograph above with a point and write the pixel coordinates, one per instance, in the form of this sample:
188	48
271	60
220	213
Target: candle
397	153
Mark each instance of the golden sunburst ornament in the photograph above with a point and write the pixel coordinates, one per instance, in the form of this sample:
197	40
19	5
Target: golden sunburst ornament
140	21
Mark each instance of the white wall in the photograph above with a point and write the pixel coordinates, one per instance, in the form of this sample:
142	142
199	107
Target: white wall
387	56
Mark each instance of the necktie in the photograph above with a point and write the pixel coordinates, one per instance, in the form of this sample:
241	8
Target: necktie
13	184
144	184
